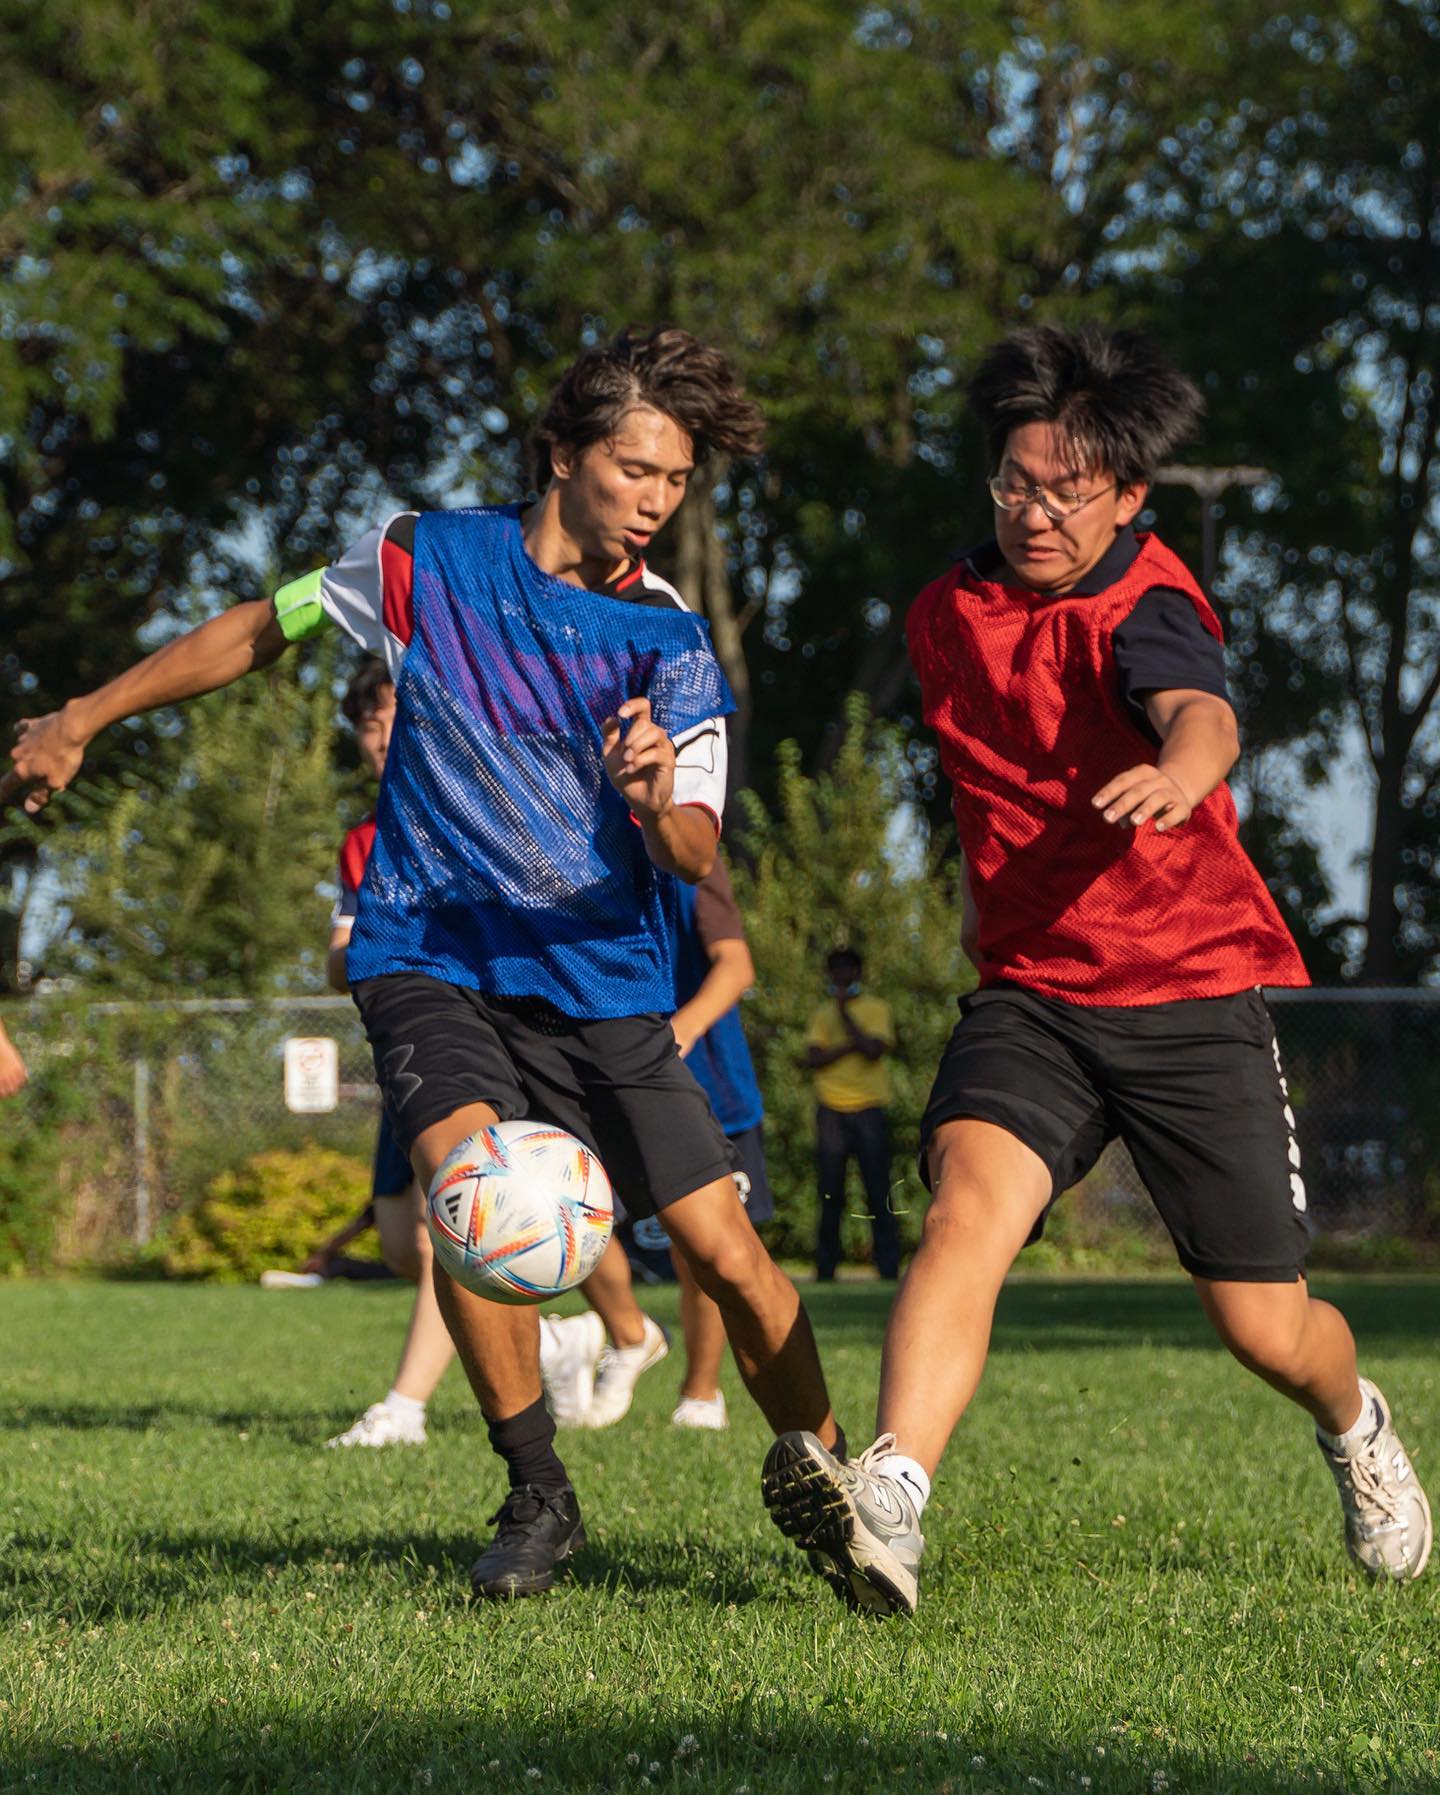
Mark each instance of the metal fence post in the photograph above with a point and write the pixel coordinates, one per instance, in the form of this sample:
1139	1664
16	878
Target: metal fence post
141	1121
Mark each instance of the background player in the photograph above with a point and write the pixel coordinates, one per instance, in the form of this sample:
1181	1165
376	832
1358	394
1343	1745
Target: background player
632	1341
398	1419
1072	670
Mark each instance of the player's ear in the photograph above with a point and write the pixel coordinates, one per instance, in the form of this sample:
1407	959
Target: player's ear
1131	501
562	461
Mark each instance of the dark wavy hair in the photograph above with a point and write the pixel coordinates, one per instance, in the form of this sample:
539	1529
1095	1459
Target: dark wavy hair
668	369
362	695
1120	403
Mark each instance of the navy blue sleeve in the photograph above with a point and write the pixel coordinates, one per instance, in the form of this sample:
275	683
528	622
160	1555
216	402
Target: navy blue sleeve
1163	646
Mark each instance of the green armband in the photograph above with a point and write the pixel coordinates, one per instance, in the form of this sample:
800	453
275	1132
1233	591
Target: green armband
298	609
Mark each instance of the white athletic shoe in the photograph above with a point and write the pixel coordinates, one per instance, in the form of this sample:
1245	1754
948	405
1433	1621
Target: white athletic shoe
382	1426
570	1345
290	1280
619	1371
700	1411
859	1529
1387	1519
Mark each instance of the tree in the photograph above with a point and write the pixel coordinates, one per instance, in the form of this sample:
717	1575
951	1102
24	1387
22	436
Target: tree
1315	207
200	867
271	269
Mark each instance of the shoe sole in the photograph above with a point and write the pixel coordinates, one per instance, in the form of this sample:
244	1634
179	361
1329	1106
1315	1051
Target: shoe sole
811	1509
505	1589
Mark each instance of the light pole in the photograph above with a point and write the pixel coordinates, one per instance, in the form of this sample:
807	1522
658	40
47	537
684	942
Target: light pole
1210	482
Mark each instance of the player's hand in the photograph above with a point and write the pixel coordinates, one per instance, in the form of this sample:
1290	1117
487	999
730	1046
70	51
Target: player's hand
12	1069
1141	795
47	755
684	1040
640	760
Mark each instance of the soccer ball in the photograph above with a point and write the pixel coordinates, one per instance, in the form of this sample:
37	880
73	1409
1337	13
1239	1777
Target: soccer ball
520	1212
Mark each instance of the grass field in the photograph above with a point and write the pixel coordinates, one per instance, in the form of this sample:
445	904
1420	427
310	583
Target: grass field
1135	1579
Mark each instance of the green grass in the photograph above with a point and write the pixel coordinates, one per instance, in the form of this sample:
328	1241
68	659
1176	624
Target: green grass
1134	1580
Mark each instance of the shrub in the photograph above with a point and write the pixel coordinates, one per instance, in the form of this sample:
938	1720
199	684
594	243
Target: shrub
273	1209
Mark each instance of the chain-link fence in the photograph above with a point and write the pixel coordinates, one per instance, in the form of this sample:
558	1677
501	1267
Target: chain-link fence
134	1109
1363	1070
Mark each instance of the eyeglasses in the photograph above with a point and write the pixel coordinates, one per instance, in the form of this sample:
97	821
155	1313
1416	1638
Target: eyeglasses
1011	494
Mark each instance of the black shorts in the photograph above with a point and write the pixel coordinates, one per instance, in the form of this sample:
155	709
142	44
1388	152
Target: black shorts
618	1084
1194	1089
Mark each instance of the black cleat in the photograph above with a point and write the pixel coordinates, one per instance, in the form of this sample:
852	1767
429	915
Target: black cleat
538	1530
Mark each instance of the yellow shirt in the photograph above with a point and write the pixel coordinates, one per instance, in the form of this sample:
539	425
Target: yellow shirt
852	1082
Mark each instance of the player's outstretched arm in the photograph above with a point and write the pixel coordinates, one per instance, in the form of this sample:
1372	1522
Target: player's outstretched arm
1199	745
640	764
49	750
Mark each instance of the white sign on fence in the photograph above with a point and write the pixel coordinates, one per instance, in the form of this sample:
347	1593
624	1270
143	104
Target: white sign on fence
312	1073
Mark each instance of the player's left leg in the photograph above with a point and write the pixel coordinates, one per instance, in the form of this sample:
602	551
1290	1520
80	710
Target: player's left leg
1300	1346
619	1083
1303	1348
870	1132
702	1401
1201	1100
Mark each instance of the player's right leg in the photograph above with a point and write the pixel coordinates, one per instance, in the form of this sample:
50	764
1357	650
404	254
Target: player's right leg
445	1074
860	1521
1012	1119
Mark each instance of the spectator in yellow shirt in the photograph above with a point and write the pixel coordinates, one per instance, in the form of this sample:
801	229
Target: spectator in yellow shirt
845	1047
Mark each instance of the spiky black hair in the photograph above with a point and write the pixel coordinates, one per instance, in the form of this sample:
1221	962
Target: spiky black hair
1120	403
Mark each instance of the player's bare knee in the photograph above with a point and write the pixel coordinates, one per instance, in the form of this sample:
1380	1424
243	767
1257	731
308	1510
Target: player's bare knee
1275	1346
731	1264
959	1206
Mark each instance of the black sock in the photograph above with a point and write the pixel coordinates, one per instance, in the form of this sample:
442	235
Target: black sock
526	1442
840	1449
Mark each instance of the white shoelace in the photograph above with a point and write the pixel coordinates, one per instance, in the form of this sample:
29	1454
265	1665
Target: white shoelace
1374	1500
871	1456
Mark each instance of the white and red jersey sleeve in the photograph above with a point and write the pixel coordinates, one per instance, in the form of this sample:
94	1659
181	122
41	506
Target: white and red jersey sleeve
702	754
368	591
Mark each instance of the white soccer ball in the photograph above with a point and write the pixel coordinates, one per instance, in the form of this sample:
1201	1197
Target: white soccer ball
520	1212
